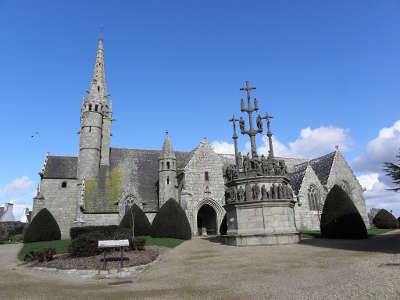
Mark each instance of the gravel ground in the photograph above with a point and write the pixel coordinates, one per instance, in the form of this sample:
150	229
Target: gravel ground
136	258
313	269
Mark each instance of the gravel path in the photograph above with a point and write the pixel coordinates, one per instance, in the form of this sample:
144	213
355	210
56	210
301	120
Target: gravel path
314	269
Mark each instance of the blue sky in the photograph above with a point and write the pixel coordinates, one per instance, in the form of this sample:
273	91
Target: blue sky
327	71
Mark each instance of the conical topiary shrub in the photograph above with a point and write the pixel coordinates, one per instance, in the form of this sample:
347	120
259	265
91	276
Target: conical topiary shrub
42	228
385	220
340	218
142	224
171	221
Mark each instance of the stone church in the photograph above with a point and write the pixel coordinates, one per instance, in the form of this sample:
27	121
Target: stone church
96	187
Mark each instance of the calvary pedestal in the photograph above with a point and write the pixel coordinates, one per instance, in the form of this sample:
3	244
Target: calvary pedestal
259	200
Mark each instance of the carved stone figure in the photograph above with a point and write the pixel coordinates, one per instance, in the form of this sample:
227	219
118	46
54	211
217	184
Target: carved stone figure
277	169
263	192
241	194
241	124
259	123
283	167
256	191
281	193
270	168
246	163
276	193
248	192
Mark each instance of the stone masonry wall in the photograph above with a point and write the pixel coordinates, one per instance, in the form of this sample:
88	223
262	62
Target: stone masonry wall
341	172
61	202
307	219
199	191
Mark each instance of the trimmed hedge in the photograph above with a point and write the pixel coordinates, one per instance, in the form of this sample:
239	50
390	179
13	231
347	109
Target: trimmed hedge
142	224
223	229
385	220
106	231
340	218
42	228
171	221
85	244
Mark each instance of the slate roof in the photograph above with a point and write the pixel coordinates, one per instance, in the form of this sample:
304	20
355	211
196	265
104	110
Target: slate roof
61	167
321	166
296	179
138	172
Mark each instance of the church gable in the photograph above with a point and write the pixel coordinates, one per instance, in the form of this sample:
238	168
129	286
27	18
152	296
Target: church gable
310	183
342	175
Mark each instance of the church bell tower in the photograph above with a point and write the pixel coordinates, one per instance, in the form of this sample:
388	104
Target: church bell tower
95	129
167	173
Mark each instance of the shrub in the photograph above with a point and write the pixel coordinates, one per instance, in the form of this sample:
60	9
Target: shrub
41	256
385	220
142	224
85	245
42	228
171	221
10	229
223	229
340	218
106	231
3	234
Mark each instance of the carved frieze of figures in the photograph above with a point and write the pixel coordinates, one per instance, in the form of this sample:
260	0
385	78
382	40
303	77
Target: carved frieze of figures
231	172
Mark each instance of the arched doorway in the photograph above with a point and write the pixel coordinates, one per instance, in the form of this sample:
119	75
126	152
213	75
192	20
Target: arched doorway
206	220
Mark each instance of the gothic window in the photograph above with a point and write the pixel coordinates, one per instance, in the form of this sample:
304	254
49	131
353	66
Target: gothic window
64	184
206	178
314	198
98	89
96	107
168	165
167	179
90	106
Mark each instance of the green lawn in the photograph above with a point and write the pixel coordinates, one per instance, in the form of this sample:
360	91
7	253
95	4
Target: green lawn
61	246
317	234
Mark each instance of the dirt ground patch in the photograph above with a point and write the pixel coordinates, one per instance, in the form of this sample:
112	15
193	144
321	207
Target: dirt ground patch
132	258
313	269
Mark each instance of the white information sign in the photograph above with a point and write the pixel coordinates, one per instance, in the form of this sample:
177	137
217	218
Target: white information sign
113	243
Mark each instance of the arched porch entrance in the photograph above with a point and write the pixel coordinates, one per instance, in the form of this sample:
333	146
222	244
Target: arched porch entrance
206	220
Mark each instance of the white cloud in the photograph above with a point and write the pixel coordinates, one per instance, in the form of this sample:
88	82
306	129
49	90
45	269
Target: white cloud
383	148
311	143
377	193
223	147
18	191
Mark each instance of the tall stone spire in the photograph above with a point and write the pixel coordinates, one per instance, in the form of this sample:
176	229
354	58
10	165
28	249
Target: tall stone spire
167	183
98	89
167	150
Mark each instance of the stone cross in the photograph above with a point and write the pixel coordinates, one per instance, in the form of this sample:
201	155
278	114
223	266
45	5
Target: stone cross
251	132
269	134
235	137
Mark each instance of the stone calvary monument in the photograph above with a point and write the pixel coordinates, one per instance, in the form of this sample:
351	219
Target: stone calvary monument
257	193
259	200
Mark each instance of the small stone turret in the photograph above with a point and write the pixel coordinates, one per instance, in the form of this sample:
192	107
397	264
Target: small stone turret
167	173
95	128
